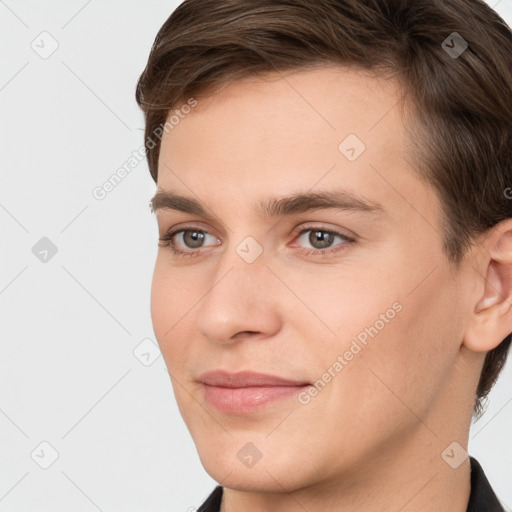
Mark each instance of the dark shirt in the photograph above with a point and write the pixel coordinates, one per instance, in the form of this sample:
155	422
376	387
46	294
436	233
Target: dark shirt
481	499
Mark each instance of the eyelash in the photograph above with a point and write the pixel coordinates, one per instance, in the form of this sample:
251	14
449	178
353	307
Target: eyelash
167	239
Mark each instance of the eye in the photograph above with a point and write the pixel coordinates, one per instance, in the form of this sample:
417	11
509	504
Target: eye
191	238
192	241
322	240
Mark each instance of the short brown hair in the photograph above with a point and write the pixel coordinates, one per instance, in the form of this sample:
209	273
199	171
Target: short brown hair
462	103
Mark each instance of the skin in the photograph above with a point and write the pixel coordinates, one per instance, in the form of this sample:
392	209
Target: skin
372	439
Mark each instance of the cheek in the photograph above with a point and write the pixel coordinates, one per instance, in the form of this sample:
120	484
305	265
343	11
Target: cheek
170	302
406	364
390	339
340	305
161	305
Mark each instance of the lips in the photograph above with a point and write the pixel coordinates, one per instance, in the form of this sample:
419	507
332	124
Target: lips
245	379
245	392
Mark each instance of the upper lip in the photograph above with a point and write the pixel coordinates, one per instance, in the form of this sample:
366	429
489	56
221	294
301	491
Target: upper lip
245	379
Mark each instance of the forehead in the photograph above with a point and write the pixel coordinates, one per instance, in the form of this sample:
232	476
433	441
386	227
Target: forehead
286	131
300	112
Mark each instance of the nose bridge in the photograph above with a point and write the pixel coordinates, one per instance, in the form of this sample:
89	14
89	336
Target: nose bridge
244	262
239	296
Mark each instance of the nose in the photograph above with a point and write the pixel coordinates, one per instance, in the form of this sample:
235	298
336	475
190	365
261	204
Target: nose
241	300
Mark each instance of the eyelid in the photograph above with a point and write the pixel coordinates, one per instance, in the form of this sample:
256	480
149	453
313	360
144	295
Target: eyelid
172	232
320	226
188	226
333	250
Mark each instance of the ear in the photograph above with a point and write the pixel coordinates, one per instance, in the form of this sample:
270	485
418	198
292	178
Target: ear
491	320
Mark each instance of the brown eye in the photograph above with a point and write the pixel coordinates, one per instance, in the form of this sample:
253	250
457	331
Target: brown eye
320	239
193	239
187	241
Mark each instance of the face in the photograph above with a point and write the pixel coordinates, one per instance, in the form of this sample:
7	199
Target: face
345	293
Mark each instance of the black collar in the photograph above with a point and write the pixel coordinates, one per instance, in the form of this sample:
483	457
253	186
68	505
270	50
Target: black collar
481	499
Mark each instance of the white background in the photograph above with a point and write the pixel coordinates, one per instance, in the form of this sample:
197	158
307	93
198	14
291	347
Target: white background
69	326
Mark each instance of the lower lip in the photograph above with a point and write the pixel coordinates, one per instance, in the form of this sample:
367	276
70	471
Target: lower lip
245	400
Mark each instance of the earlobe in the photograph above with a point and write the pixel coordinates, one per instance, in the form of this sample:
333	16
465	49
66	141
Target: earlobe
491	321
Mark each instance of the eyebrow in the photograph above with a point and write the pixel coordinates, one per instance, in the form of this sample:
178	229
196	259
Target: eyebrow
340	199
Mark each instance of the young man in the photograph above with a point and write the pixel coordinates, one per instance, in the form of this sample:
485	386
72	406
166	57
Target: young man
332	291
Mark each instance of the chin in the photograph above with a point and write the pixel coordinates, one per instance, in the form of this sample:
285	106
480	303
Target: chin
251	480
270	475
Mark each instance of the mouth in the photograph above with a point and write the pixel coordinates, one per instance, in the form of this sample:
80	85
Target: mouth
245	392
